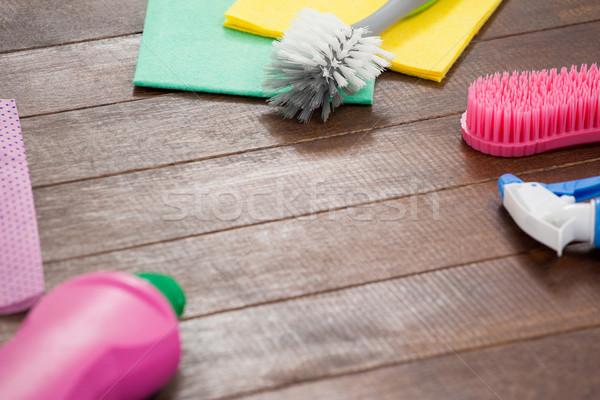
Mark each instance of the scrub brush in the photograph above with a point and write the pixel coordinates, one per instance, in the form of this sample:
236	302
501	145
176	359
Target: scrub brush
532	112
320	59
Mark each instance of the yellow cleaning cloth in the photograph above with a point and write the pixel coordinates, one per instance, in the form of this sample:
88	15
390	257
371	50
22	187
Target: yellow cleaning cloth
426	44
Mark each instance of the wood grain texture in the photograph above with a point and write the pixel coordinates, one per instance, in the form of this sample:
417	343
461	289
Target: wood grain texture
167	203
182	127
100	72
29	23
388	323
537	15
367	250
391	323
9	325
271	262
74	76
556	367
33	23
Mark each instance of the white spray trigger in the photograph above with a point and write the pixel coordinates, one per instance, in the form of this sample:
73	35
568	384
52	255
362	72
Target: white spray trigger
552	220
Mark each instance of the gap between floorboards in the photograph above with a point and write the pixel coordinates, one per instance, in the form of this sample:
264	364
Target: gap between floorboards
554	167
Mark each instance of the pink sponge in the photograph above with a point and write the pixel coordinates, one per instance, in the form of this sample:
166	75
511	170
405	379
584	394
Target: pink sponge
532	112
21	274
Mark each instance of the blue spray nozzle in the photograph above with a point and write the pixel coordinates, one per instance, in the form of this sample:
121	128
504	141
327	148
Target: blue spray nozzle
505	180
581	189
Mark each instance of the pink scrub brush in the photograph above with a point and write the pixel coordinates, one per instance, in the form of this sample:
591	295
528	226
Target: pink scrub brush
533	112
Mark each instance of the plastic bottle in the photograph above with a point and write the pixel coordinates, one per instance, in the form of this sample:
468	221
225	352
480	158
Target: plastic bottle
99	336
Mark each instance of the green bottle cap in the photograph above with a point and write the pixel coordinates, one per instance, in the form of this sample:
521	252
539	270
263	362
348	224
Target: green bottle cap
167	286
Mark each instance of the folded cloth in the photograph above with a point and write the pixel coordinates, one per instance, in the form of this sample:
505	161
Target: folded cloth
184	46
21	273
426	44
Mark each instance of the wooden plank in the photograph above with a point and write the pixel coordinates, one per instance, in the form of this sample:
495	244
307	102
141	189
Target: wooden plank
298	257
167	203
365	328
556	367
386	323
182	127
308	338
30	23
9	325
73	76
519	16
33	23
295	341
100	72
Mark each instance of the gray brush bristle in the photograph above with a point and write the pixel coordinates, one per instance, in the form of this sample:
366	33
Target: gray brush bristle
318	62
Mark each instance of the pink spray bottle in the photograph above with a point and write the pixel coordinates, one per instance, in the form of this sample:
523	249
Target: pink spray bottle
99	336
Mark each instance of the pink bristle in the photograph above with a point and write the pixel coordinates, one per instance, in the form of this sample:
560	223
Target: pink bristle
524	108
538	90
526	126
572	117
593	111
544	121
507	126
487	120
535	123
580	114
518	123
563	110
496	136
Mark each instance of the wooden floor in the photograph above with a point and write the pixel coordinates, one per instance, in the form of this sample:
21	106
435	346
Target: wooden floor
365	258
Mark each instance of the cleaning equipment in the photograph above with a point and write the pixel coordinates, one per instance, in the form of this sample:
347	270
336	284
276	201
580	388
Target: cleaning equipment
320	57
532	112
185	47
425	45
21	272
552	214
102	335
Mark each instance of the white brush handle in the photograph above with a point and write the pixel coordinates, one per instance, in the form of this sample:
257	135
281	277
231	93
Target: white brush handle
390	13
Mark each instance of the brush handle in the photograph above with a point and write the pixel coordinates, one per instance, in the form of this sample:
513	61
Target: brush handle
390	13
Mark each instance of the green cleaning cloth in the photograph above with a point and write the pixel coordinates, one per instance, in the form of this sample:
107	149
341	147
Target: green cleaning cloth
185	46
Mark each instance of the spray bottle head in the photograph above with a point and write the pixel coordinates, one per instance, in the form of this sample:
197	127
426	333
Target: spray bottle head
167	286
552	219
505	180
